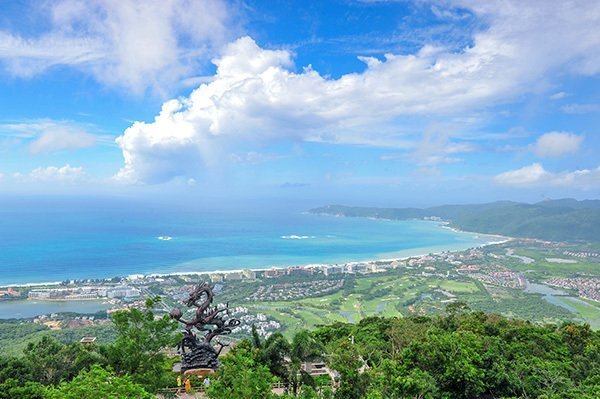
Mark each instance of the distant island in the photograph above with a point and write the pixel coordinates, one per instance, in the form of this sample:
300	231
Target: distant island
553	220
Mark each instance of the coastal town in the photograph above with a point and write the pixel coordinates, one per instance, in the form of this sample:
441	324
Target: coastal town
588	288
262	296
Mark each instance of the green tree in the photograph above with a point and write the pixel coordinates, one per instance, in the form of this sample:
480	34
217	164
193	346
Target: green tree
453	359
12	389
394	380
15	368
99	383
538	376
241	375
275	352
52	362
285	359
353	383
304	348
138	348
16	380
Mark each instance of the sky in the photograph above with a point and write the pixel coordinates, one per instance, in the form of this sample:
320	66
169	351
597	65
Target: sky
371	102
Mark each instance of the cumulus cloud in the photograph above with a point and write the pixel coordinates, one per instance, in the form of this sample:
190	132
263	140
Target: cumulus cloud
255	95
527	175
557	144
62	174
535	175
130	44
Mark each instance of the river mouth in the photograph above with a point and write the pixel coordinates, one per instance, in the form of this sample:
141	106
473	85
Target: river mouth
552	295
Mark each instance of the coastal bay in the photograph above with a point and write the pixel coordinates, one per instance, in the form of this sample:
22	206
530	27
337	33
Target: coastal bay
130	240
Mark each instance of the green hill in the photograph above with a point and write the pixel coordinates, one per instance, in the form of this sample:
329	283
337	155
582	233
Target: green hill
555	220
458	355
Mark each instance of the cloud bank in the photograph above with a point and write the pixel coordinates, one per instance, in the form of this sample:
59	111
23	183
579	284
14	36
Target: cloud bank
62	174
535	176
255	94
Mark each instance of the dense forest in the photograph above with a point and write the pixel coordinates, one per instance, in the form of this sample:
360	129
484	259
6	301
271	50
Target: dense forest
554	220
458	355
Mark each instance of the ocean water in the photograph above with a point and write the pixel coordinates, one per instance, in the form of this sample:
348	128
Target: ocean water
54	240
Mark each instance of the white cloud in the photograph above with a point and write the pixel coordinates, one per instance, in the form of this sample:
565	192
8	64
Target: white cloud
47	135
437	149
557	144
535	175
559	95
130	44
581	108
63	174
56	140
433	150
252	158
255	96
527	175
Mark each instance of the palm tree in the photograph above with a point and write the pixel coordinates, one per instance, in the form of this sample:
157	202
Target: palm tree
304	348
285	359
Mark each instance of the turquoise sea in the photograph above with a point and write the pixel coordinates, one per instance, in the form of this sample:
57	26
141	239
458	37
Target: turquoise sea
56	239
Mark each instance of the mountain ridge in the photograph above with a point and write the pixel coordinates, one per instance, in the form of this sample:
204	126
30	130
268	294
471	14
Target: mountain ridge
564	219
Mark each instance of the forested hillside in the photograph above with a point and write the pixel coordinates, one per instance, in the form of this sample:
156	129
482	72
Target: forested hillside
555	220
459	355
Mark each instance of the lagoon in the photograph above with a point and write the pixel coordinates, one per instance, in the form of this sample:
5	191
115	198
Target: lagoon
23	309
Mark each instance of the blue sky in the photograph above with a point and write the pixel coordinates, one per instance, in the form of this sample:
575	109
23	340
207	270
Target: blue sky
361	102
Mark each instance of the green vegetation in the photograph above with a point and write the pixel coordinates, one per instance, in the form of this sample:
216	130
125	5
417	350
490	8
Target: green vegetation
461	355
457	355
98	383
423	287
397	294
134	366
559	220
588	309
241	376
14	336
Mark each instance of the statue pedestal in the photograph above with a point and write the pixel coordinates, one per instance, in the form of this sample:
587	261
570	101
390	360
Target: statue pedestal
202	356
200	373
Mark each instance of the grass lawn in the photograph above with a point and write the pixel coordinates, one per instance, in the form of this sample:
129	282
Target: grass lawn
565	269
458	286
390	294
587	310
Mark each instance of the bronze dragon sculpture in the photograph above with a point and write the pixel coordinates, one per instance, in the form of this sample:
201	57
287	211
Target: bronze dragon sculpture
207	318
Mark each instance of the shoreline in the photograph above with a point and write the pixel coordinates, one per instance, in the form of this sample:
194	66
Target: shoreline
499	240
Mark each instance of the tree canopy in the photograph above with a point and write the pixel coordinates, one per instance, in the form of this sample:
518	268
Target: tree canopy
459	355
